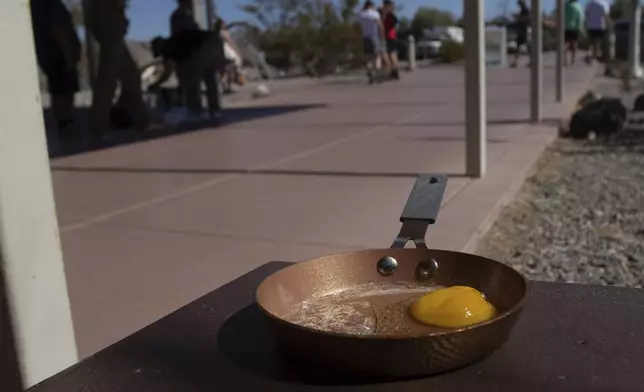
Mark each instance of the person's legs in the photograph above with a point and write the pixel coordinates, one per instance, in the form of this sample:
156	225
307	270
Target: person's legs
370	56
382	62
596	37
111	53
190	73
572	38
212	91
63	85
521	42
212	64
573	48
131	97
392	55
63	107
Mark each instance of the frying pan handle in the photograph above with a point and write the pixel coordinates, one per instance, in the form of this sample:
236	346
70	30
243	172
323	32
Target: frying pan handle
421	209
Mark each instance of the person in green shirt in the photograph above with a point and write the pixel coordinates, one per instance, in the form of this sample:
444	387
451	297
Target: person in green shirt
574	24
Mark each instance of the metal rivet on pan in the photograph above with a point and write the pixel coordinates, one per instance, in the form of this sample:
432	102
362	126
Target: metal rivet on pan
387	266
426	269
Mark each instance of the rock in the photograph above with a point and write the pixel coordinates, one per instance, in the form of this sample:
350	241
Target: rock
580	217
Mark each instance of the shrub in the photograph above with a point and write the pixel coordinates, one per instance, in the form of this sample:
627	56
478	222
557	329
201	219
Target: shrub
451	52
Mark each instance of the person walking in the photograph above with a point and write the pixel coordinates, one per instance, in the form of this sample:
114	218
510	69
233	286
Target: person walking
522	19
597	23
574	22
108	24
58	51
372	30
202	59
390	24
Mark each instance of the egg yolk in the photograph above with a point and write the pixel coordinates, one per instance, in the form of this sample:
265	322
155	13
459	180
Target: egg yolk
453	307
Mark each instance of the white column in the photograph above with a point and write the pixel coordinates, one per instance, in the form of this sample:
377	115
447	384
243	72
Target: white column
475	107
634	40
559	77
30	251
536	58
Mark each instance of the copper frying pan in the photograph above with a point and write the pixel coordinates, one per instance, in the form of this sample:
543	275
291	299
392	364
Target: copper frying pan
349	311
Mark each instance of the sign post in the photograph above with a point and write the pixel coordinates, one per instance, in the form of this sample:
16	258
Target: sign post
496	46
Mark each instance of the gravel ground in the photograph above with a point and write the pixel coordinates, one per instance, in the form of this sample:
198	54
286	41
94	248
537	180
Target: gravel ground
580	217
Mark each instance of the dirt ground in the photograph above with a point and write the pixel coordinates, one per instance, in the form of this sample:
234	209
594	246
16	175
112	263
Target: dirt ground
580	217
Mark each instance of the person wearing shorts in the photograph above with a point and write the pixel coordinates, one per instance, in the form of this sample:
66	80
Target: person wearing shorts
58	51
597	20
371	29
390	23
574	21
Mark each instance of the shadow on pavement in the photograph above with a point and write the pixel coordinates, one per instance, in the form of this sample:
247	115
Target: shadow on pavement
286	172
130	136
554	122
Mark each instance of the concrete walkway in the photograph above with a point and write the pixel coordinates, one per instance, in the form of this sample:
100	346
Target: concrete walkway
148	227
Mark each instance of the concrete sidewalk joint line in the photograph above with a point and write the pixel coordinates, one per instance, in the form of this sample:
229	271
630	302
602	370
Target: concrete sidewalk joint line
219	180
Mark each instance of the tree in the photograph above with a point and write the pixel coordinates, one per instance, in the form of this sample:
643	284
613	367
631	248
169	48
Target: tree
428	17
620	9
312	33
404	23
501	20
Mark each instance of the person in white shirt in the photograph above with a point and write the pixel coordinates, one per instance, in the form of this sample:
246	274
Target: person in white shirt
597	22
372	31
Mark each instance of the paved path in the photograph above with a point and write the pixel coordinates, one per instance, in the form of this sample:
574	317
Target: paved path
149	227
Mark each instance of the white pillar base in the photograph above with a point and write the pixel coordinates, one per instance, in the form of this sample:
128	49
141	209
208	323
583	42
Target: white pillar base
475	95
30	252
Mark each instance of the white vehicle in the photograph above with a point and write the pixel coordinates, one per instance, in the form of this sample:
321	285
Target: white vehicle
429	45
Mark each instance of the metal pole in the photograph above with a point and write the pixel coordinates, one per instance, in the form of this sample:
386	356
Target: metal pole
475	107
411	53
31	261
536	70
561	54
635	69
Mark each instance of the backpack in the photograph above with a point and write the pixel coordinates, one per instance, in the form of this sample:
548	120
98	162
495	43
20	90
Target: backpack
605	116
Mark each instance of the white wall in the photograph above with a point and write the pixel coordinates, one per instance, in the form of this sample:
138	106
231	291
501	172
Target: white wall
29	240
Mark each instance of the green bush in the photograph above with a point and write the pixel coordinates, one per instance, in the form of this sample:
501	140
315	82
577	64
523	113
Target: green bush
451	52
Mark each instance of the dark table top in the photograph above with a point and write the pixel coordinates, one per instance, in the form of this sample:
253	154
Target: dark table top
569	338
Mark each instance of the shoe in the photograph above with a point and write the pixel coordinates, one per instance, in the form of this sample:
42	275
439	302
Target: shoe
95	141
370	76
215	117
67	130
395	75
193	118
